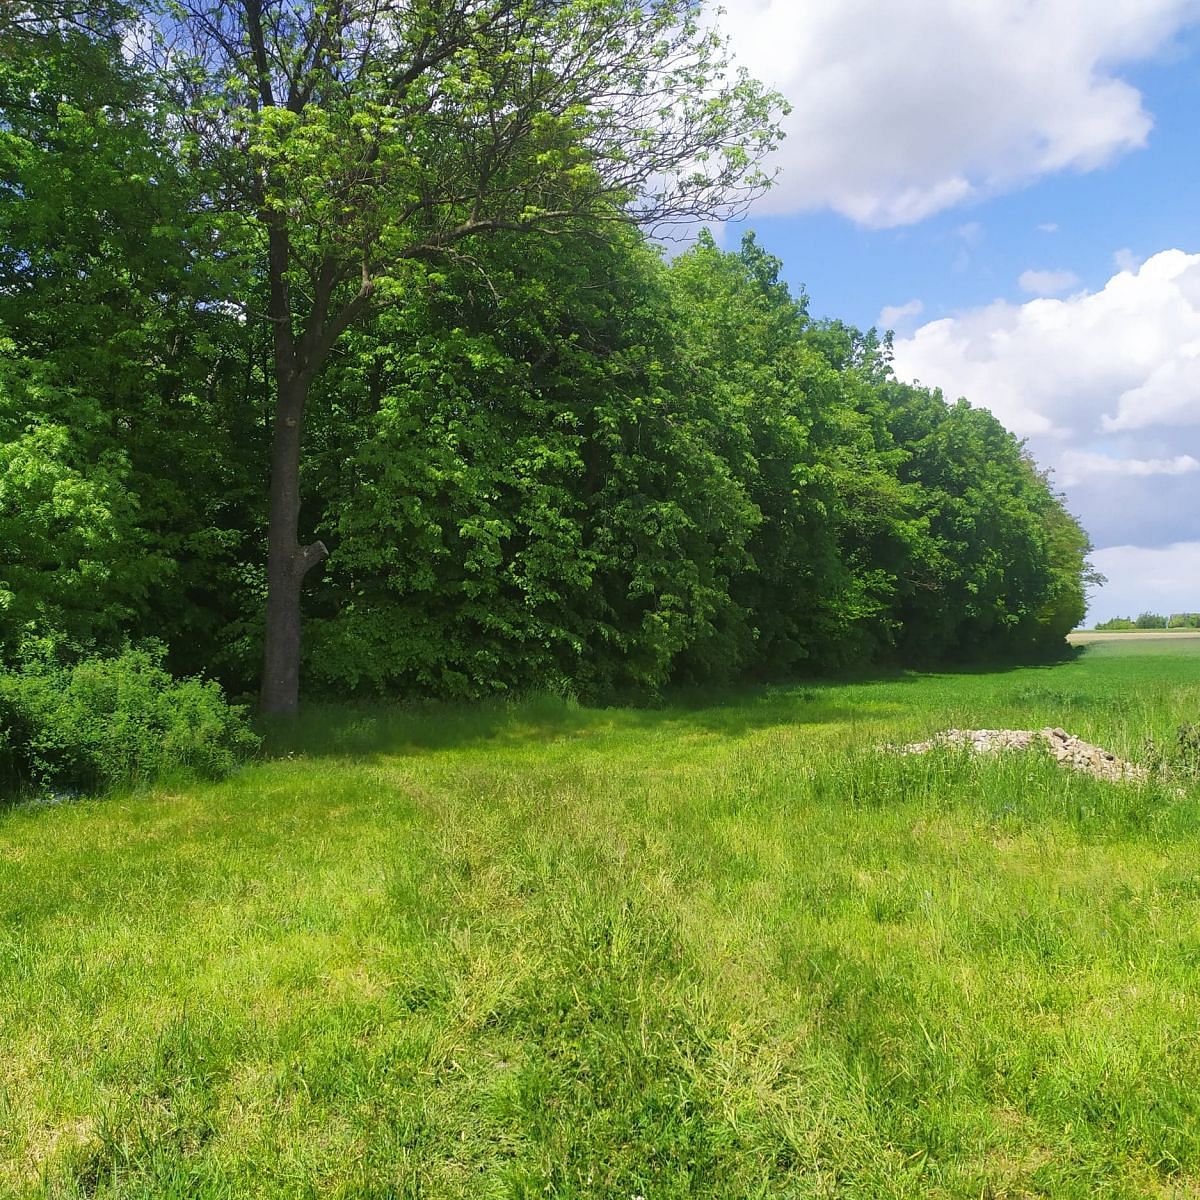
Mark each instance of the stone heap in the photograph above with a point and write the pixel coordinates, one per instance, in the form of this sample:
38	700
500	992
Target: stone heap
1066	749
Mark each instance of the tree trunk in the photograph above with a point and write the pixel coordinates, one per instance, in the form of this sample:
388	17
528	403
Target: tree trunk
287	561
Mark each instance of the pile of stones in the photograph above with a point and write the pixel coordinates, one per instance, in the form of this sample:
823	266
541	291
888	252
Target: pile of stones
1066	749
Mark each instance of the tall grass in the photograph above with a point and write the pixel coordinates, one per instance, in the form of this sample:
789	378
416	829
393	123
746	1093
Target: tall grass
526	950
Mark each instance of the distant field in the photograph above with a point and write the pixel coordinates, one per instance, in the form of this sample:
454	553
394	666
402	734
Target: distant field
726	948
1085	637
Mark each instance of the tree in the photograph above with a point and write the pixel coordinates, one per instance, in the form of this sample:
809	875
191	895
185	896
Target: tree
120	357
364	141
519	487
775	402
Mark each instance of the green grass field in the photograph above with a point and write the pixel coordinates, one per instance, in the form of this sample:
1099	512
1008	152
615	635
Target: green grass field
715	949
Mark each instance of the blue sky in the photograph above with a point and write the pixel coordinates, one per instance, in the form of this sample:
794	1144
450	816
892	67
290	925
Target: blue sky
1015	189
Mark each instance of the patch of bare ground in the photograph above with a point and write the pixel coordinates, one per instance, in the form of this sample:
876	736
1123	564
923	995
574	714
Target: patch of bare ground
1067	750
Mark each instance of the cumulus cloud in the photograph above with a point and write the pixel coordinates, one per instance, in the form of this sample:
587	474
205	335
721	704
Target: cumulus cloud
1105	386
1060	367
904	109
1046	283
1170	396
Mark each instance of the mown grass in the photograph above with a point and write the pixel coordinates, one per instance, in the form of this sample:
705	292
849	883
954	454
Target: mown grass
715	949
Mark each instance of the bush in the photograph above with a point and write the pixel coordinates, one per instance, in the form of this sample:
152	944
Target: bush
1149	620
1117	623
110	721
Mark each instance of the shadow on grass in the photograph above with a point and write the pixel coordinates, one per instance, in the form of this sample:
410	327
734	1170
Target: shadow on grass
365	730
382	728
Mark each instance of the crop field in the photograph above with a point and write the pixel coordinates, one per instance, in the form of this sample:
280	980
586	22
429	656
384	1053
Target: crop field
727	947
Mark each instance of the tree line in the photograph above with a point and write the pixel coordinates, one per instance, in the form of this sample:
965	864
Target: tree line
1150	620
536	453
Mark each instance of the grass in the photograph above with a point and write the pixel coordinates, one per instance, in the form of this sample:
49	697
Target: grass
722	948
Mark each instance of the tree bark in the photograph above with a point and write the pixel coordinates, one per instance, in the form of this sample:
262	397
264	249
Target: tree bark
287	561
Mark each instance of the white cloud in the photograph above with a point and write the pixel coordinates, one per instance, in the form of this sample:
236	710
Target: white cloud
1105	385
1046	283
892	315
1126	260
1164	580
1061	366
904	109
1170	396
1048	227
1074	466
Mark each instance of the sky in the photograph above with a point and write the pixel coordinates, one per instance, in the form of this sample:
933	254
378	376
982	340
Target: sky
1012	187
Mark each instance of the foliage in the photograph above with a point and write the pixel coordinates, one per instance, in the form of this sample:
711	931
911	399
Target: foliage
104	722
576	467
131	394
73	563
527	499
775	404
1002	566
362	143
1187	747
555	462
1149	620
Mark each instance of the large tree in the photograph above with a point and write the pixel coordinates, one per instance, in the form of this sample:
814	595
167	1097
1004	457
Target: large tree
364	141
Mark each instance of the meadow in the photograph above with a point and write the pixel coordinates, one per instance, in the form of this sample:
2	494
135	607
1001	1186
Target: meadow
726	947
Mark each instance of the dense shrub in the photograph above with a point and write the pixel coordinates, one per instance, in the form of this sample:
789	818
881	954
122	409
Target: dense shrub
109	721
654	474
